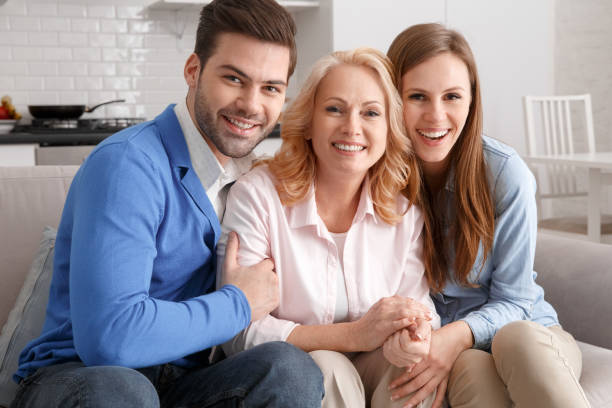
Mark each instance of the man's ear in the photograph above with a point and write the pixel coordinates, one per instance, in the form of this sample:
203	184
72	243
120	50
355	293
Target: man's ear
192	70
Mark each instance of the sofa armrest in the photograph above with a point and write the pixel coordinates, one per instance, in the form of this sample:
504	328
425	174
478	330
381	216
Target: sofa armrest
577	279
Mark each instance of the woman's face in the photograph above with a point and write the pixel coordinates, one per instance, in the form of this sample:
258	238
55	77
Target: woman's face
436	96
349	123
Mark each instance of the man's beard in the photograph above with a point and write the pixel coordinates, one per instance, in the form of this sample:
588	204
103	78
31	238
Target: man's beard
228	144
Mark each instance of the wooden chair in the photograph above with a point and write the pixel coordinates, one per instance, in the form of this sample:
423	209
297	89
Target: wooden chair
557	125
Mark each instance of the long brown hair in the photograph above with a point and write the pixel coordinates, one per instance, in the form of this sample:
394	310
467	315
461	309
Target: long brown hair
294	165
474	219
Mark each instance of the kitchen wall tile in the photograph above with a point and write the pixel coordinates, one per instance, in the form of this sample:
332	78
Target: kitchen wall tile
18	23
41	9
160	41
102	68
13	68
141	27
46	39
4	23
85	25
95	97
6	54
87	54
42	68
117	83
130	69
29	83
88	83
131	97
141	112
115	54
73	98
102	40
113	26
162	69
71	10
101	11
73	39
140	54
7	84
43	98
57	54
173	83
148	83
88	51
21	100
167	54
59	83
14	8
72	68
161	97
152	110
131	12
119	110
55	24
27	53
130	41
14	38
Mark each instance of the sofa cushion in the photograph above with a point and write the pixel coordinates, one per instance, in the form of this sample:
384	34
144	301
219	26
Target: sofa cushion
26	319
596	375
30	198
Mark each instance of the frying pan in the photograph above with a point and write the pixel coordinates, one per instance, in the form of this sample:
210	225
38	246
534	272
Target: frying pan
64	111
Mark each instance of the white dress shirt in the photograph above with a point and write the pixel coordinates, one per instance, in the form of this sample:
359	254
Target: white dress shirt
380	259
215	178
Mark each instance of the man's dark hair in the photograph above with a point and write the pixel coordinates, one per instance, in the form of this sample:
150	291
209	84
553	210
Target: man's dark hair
263	20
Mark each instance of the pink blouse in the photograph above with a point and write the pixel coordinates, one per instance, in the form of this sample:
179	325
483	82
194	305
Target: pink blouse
380	260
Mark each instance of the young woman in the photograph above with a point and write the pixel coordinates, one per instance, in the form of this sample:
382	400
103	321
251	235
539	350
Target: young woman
346	243
501	344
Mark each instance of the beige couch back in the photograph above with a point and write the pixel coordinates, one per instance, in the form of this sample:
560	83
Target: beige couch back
30	198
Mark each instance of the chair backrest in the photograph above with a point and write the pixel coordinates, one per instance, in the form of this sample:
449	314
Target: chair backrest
559	124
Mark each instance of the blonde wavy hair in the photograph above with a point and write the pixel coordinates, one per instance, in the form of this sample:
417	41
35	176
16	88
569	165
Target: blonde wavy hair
294	165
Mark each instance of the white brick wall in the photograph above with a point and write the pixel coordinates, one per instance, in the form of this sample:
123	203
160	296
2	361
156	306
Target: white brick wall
86	52
583	63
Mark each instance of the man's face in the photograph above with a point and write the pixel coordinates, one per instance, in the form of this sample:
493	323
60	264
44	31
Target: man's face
237	98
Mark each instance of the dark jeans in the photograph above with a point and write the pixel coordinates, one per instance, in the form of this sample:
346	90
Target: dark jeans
270	375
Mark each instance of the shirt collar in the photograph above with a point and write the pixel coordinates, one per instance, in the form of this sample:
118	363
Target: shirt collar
305	212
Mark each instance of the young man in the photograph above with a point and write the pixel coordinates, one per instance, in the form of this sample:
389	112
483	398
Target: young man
132	312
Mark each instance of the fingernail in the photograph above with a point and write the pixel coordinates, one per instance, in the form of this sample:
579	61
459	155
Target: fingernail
408	406
418	336
393	397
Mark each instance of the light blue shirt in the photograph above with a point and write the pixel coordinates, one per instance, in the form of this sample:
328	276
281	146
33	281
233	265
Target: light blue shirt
508	290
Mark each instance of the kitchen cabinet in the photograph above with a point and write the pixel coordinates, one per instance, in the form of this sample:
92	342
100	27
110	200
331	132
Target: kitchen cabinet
17	154
62	155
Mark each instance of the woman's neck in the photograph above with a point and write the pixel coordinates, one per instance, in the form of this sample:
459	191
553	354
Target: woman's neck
337	201
435	175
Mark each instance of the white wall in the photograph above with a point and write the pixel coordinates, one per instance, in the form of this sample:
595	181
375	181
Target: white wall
583	64
513	42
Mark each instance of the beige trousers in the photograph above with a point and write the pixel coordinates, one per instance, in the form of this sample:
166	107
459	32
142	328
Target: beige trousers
359	380
529	366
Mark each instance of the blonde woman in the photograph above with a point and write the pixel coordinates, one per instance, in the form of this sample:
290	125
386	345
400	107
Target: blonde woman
346	244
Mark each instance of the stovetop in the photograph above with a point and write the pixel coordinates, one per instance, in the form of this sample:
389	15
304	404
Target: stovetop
62	132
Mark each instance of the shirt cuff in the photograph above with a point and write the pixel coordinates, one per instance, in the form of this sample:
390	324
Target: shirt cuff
479	327
234	291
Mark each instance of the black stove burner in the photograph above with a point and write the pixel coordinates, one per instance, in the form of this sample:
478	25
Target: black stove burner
106	125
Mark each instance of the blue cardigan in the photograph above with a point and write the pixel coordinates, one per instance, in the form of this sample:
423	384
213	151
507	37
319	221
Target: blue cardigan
134	269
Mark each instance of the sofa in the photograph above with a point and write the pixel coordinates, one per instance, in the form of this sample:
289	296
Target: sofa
576	275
